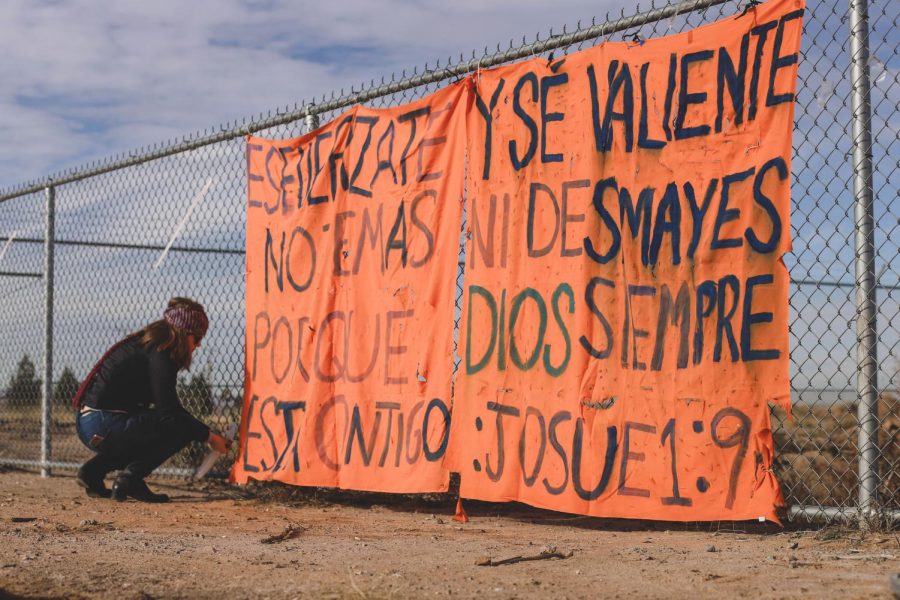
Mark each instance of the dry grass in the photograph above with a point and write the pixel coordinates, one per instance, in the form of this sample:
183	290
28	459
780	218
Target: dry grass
817	454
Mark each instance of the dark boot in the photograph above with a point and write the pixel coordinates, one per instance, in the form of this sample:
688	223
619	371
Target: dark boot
120	488
127	485
90	476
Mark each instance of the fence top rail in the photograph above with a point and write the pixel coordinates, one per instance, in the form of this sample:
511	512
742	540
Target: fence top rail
302	110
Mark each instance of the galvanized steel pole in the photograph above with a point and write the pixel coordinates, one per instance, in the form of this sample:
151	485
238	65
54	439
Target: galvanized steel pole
866	331
46	395
311	121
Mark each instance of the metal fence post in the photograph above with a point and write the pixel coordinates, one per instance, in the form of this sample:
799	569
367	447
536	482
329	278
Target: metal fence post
46	395
310	120
866	332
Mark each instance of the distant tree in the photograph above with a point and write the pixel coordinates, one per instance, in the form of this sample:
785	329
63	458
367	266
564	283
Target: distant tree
196	394
228	399
24	386
230	404
65	388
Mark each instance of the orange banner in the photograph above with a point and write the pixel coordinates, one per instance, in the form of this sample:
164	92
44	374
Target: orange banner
352	249
625	311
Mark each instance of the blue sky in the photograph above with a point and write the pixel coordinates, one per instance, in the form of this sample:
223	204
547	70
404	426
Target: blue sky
86	79
83	80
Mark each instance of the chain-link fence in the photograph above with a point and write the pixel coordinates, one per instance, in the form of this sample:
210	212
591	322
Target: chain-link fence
127	234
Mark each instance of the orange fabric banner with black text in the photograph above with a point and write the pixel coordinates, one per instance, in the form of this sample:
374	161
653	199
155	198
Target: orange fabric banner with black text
625	321
352	244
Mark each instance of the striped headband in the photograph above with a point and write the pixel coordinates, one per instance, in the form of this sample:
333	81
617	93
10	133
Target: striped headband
188	320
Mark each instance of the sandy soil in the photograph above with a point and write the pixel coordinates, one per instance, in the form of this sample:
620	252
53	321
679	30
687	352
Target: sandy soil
210	542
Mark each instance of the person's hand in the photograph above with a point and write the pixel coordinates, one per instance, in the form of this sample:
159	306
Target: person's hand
218	443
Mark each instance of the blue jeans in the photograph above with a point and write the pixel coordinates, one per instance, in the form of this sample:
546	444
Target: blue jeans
136	442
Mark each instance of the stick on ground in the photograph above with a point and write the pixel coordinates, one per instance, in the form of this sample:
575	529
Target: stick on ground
290	532
545	554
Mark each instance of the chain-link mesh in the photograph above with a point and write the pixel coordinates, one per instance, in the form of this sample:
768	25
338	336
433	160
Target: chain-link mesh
114	268
21	304
885	77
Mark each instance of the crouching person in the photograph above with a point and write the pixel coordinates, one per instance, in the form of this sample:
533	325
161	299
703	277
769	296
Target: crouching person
128	409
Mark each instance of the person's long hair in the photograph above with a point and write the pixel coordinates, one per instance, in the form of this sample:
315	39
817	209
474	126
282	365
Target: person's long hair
162	337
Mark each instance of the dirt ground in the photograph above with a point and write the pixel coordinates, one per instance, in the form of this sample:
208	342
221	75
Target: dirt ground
215	541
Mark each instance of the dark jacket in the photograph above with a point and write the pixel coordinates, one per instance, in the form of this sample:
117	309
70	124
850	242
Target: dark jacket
134	379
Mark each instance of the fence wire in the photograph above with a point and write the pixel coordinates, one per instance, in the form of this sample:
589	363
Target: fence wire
134	230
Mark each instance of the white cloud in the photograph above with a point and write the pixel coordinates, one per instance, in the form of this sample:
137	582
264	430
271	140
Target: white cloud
86	79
